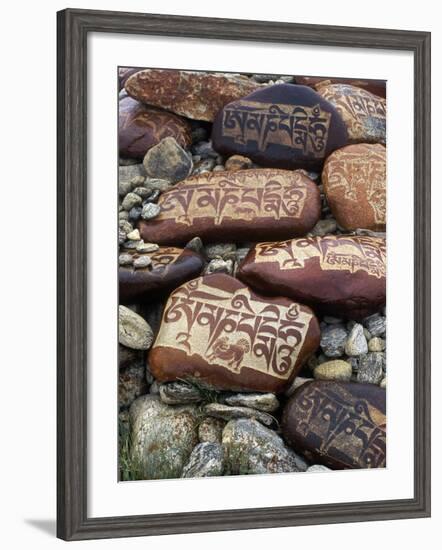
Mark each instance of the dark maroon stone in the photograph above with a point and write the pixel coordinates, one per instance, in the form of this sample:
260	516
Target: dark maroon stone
170	268
243	205
336	275
124	73
283	126
377	87
141	127
339	424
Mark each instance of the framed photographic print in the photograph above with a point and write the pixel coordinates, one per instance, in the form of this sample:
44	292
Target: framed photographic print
244	231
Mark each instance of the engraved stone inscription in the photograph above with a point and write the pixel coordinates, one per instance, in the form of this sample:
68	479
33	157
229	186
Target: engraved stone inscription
244	195
164	257
359	177
363	112
344	425
299	127
334	253
233	330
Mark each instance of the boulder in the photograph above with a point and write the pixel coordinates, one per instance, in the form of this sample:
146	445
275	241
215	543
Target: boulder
168	161
251	448
163	437
206	460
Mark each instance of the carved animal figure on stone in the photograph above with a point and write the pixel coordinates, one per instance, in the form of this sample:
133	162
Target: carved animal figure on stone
232	353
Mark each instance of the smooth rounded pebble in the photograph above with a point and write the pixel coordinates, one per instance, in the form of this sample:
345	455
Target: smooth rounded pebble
150	211
133	331
333	370
146	248
125	259
142	261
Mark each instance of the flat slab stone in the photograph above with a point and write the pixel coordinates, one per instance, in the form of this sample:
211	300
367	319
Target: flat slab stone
226	412
245	205
267	402
338	275
217	331
169	268
341	425
195	95
355	184
285	126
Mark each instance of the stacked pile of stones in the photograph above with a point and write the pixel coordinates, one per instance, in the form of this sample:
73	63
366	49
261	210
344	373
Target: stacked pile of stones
252	273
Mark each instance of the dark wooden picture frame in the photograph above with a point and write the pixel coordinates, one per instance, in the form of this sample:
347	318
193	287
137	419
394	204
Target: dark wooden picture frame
73	28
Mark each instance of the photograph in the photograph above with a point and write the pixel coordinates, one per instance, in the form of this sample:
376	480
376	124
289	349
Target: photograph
252	323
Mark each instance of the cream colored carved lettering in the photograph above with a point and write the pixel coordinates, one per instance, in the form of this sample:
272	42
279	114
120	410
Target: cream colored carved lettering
233	330
296	126
240	196
334	253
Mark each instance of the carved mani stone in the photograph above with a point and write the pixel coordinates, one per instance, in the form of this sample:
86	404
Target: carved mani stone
339	424
244	205
354	179
141	127
336	275
376	87
217	331
285	126
124	73
364	114
169	268
192	94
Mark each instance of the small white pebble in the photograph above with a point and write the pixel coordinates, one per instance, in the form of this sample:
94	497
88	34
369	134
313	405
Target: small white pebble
150	210
141	262
133	235
146	248
125	259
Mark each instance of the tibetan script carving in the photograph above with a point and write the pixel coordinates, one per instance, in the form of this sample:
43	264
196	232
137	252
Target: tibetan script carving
355	176
338	423
334	253
242	195
364	113
299	127
164	257
233	330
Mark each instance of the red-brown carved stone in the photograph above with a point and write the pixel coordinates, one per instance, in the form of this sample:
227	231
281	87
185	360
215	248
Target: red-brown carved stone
364	114
170	268
377	87
341	425
141	127
285	126
244	205
336	275
355	185
124	73
194	95
217	331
